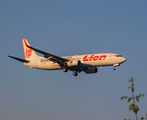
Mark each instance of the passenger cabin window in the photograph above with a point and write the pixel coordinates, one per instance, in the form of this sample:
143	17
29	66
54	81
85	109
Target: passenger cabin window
118	56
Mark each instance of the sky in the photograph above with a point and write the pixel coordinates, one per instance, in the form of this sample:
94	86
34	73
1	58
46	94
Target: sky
71	27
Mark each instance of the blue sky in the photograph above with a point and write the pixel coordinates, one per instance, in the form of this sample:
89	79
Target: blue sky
69	28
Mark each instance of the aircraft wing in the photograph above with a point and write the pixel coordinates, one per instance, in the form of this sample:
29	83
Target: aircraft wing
49	56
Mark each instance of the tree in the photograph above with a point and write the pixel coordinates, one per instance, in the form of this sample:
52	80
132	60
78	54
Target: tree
133	106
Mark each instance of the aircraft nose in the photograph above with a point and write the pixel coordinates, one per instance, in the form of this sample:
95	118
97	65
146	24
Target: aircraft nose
124	59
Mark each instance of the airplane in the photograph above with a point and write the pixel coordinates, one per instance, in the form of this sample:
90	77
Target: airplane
78	63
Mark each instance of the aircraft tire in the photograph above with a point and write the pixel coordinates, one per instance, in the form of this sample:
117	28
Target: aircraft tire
65	70
75	73
114	68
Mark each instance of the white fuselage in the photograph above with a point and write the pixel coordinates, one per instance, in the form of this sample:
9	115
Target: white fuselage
89	60
78	63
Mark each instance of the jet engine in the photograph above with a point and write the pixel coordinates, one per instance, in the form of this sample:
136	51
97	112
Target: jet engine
74	63
91	70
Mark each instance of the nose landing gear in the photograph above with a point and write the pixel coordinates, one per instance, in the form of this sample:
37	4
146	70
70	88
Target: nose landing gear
114	68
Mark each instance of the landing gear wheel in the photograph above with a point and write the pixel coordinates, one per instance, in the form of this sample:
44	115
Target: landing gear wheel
75	73
114	68
65	69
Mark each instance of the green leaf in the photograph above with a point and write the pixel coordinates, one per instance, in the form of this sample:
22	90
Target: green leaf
121	97
131	105
132	89
142	95
129	99
126	97
136	109
142	118
137	99
130	109
138	96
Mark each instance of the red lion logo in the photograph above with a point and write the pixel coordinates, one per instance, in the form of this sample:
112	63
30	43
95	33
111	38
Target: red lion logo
28	52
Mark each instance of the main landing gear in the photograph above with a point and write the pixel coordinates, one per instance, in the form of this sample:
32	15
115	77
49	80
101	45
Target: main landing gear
65	69
75	73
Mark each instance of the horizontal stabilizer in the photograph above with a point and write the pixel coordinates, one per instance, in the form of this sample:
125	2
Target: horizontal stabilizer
19	59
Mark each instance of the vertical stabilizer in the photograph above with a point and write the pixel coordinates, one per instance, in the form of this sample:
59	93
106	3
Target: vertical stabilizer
29	54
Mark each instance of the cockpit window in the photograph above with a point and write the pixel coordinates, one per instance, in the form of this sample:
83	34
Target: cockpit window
118	56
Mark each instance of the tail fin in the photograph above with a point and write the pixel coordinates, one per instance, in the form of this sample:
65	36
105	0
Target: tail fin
29	54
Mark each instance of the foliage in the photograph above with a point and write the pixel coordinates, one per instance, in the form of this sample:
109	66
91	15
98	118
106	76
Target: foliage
133	106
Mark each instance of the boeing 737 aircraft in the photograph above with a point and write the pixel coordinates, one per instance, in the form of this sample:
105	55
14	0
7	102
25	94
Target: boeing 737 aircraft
78	63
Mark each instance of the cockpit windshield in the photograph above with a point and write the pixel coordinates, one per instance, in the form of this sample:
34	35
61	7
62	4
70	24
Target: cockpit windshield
118	56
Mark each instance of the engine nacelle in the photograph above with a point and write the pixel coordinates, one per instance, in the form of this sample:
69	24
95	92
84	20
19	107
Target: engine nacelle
74	63
91	70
